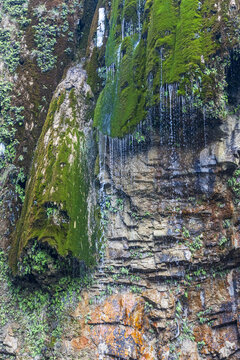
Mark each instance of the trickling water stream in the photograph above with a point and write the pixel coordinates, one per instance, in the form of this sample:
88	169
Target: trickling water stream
101	27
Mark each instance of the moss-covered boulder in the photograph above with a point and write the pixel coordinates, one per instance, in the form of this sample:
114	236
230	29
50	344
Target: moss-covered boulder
56	210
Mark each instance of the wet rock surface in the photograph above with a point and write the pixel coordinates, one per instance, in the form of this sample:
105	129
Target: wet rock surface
168	287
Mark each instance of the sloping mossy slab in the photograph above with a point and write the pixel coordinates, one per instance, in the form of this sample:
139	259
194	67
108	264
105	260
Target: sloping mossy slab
56	209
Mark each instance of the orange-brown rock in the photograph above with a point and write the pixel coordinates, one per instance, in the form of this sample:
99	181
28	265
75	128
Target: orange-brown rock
116	328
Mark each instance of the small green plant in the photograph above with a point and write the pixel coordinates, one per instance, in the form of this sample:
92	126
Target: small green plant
234	182
188	279
187	332
136	254
196	244
147	214
68	51
201	344
222	241
134	278
185	232
109	289
227	223
50	211
124	271
140	138
136	289
221	205
203	318
200	273
178	309
119	204
115	277
18	181
148	307
87	318
135	216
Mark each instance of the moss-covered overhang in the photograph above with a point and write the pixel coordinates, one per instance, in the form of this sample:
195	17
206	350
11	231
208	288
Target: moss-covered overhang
159	42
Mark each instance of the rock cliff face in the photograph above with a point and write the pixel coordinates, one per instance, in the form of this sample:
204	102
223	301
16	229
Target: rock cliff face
128	243
169	279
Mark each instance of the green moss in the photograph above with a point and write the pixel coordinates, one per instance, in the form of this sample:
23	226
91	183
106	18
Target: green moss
177	40
121	104
114	39
73	103
97	166
55	210
130	11
61	100
93	78
178	30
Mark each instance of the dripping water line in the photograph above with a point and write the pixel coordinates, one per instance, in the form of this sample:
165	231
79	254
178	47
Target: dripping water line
204	127
139	20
